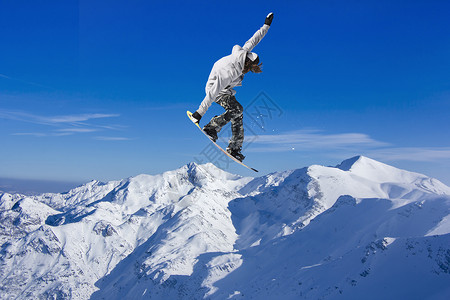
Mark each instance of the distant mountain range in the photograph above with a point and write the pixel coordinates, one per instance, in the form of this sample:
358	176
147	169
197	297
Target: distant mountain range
31	187
360	230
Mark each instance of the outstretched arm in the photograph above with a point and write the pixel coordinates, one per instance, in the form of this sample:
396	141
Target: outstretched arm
258	36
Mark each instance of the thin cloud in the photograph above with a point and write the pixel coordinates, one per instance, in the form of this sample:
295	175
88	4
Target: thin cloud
312	139
4	76
23	81
111	138
112	127
51	120
35	134
63	125
20	116
77	130
344	144
78	118
50	134
419	154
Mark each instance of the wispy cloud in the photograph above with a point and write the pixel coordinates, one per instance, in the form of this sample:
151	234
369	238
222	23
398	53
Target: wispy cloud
42	134
343	144
23	81
51	120
77	118
19	116
111	138
423	154
77	130
312	139
62	125
35	134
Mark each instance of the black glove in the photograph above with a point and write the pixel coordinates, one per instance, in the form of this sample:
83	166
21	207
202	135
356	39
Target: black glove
197	117
269	19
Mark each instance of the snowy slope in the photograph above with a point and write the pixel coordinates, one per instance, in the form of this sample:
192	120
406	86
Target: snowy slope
362	229
60	245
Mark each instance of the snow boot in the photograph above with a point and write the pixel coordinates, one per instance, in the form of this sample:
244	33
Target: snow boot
211	132
236	153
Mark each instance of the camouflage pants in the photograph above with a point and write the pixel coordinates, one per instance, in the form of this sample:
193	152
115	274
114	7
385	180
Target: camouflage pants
234	113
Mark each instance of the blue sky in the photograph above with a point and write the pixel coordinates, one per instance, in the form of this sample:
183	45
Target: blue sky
99	89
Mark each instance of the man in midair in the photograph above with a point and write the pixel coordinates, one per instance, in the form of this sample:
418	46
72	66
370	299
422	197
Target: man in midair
227	73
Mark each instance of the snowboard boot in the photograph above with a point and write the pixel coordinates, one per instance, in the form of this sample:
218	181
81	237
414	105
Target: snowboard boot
211	132
236	153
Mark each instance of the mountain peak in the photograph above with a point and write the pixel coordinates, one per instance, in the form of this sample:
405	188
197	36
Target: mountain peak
347	164
208	170
377	171
194	167
191	165
360	161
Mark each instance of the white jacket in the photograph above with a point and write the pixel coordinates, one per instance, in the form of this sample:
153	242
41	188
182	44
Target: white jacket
227	71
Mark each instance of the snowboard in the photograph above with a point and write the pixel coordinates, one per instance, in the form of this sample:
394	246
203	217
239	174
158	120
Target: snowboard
220	148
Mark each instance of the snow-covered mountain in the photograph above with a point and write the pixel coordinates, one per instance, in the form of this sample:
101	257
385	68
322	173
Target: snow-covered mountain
362	229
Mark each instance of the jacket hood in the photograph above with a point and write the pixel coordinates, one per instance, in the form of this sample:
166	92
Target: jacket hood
240	54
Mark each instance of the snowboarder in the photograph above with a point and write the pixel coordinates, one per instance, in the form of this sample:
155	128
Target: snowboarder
227	73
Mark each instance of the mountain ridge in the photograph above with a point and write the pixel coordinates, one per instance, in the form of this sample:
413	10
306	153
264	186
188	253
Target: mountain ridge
199	231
